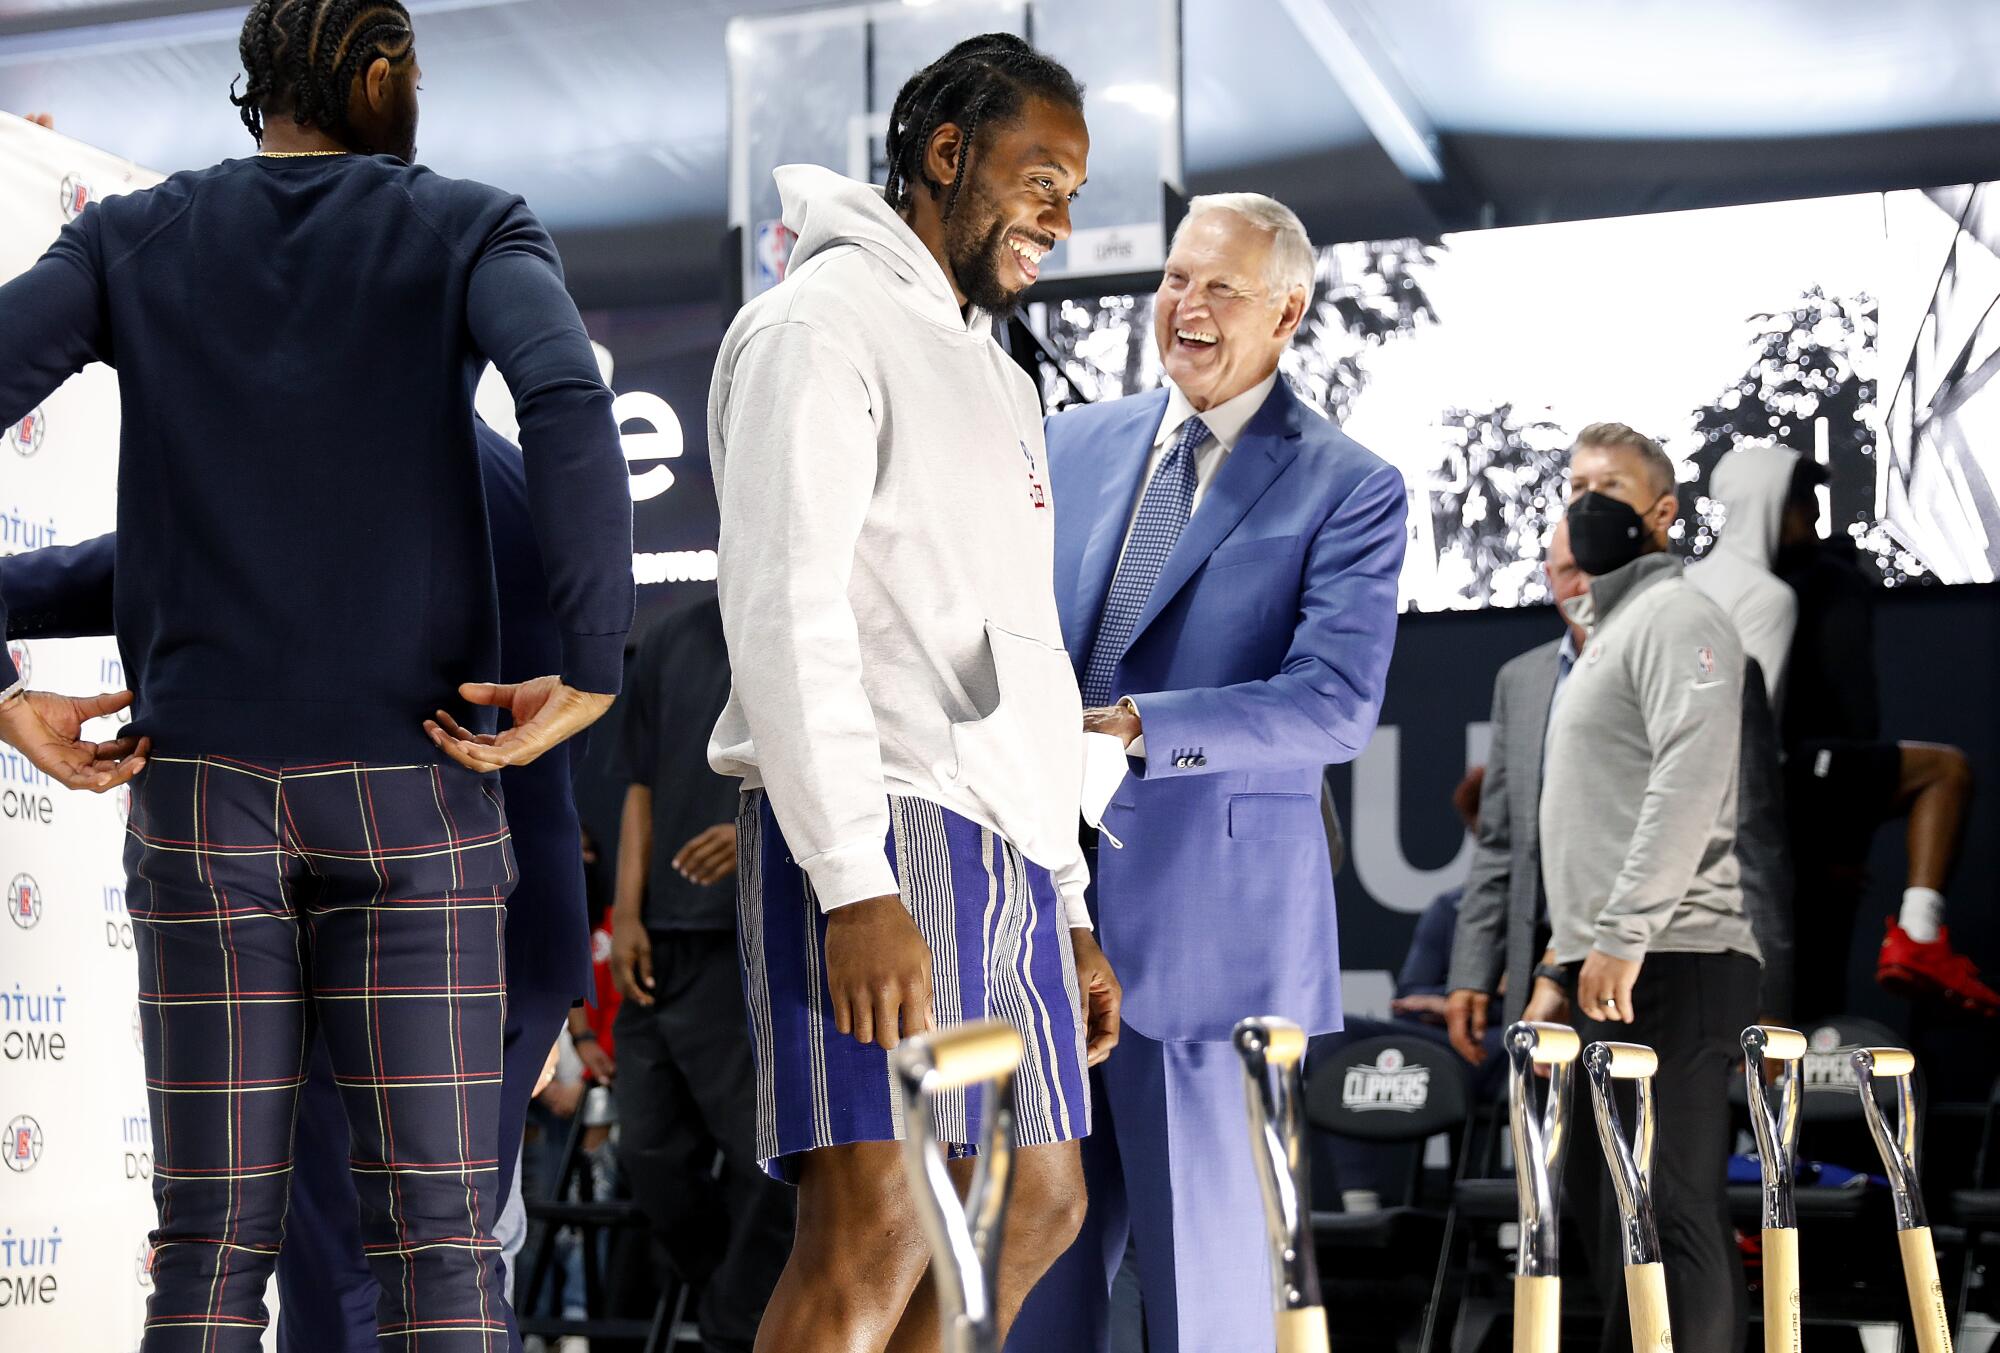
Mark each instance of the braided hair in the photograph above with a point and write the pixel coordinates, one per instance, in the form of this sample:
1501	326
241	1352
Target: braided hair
301	57
980	81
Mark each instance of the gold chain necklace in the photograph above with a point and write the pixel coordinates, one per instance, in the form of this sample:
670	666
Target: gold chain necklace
296	154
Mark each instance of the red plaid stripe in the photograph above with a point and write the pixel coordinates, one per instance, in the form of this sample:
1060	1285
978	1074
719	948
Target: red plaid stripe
368	901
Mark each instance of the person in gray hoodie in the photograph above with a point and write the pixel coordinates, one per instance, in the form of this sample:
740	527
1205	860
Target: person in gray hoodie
1638	827
903	714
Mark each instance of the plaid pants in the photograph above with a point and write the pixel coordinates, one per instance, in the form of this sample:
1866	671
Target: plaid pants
364	900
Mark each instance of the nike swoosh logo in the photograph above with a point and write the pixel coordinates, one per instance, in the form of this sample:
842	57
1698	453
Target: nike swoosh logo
1706	685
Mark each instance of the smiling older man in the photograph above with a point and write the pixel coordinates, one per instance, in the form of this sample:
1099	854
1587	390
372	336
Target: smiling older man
1226	567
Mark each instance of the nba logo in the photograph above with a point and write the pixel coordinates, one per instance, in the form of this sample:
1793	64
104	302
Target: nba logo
18	652
75	196
770	254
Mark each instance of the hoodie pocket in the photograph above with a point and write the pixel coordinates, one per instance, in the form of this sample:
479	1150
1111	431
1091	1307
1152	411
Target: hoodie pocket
1023	762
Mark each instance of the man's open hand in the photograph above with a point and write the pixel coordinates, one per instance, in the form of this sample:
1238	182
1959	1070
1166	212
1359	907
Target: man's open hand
878	971
709	857
47	729
546	714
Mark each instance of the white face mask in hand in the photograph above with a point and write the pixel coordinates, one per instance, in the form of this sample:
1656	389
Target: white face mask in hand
1104	770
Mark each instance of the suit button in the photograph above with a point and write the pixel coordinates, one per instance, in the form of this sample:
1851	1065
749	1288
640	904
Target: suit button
1201	761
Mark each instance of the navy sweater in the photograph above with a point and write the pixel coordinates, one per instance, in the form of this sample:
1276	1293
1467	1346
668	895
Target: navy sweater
65	591
303	556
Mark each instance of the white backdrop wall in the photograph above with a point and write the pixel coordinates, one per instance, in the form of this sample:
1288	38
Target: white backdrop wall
75	1141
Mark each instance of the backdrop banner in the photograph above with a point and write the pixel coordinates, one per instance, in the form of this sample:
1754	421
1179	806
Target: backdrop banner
75	1141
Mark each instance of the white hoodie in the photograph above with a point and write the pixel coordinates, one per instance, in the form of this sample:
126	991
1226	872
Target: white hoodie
887	557
1752	483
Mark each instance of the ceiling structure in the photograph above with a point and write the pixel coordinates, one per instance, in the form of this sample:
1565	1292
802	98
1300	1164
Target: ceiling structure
1374	117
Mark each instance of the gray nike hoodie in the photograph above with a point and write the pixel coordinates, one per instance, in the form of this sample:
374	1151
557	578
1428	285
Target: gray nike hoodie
1638	814
887	557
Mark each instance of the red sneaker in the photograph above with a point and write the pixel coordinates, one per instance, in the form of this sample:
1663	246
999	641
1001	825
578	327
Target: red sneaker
1933	970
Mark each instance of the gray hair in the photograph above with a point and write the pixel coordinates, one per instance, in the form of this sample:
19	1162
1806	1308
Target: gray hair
1292	261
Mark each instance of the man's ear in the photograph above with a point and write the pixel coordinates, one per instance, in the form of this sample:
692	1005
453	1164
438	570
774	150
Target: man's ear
1664	512
945	155
375	84
1293	314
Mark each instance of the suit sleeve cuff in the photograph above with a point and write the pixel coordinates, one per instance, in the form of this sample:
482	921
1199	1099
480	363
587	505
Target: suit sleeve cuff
594	662
1166	743
848	874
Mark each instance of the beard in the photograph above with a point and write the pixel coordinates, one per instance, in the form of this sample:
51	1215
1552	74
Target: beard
975	242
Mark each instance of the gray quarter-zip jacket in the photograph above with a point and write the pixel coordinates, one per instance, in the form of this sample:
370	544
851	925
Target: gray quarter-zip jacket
1638	811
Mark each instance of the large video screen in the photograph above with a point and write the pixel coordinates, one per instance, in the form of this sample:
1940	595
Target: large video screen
1860	331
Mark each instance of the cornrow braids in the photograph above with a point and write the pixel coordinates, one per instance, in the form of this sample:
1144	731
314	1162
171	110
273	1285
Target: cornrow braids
301	57
981	80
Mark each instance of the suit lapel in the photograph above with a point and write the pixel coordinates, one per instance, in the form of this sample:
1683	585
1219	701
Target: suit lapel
1541	690
1123	459
1267	446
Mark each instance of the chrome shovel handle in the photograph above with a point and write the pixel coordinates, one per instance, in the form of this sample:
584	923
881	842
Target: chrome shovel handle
1774	1116
964	1236
1898	1148
1272	1051
1540	1137
1630	1161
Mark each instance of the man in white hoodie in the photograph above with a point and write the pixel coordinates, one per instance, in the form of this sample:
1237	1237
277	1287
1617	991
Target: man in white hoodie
1754	484
886	581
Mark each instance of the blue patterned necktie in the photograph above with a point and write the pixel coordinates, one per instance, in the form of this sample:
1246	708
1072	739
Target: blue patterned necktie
1163	514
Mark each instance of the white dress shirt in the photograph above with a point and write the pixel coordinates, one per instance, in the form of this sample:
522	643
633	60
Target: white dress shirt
1225	423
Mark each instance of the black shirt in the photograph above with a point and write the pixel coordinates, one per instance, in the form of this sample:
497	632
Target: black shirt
1831	692
679	683
304	561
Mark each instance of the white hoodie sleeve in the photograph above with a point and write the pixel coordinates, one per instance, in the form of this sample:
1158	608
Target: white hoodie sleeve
800	453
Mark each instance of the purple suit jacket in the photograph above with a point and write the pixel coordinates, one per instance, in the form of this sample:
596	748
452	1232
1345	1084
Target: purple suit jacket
1258	661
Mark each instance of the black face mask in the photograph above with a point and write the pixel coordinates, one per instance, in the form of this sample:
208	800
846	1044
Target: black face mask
1605	534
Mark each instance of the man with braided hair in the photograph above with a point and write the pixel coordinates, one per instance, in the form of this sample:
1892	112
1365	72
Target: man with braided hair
306	602
903	717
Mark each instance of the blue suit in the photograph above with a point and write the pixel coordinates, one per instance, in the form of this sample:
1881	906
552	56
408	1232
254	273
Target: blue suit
1258	660
326	1294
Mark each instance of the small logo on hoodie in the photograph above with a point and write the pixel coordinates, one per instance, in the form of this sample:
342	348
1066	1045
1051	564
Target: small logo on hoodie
1037	495
771	252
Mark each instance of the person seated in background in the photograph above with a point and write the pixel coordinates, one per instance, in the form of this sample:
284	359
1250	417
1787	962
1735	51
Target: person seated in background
1843	782
1424	979
1637	826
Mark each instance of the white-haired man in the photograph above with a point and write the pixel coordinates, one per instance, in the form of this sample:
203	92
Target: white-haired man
1226	567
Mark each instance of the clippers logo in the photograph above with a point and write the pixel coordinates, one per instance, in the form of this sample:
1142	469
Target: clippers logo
1388	1086
24	901
26	435
24	662
22	1146
144	1265
75	196
1825	1065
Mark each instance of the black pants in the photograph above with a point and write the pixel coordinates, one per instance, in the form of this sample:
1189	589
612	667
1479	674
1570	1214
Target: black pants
1692	1009
686	1090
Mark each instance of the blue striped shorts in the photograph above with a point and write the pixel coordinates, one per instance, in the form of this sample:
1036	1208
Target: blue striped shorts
1000	949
